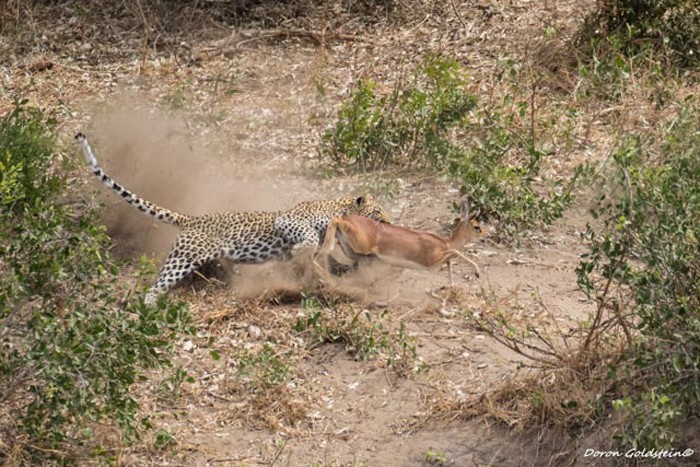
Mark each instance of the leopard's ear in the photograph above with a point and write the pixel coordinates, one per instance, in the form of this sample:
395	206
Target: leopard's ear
362	200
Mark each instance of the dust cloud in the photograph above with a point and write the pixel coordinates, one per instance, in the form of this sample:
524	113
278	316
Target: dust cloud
154	155
371	282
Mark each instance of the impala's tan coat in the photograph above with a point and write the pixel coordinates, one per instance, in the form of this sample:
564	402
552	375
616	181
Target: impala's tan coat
360	237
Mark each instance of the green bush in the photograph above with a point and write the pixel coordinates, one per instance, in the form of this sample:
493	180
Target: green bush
646	253
26	176
433	122
69	349
410	127
671	28
500	171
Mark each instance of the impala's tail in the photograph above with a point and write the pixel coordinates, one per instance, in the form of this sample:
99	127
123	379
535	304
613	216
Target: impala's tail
142	205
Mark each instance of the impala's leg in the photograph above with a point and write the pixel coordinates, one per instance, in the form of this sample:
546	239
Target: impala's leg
477	273
449	269
328	245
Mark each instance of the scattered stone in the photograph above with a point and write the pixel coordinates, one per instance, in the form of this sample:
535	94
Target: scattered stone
254	332
189	346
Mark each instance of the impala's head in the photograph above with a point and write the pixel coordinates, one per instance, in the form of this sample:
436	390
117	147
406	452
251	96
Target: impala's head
367	206
469	222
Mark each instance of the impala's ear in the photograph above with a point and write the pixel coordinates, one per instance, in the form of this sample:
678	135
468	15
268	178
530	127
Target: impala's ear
464	209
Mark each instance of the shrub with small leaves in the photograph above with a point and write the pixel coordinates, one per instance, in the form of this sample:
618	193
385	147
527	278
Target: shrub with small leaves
410	127
500	174
26	174
434	122
70	349
647	250
668	28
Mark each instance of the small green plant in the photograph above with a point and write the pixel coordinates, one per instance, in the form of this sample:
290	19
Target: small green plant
402	355
264	368
433	457
171	386
354	328
363	335
177	100
164	439
214	117
69	349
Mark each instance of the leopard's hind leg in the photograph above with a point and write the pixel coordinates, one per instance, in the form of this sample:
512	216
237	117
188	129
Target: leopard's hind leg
184	257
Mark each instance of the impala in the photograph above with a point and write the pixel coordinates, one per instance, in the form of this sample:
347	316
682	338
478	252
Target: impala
361	237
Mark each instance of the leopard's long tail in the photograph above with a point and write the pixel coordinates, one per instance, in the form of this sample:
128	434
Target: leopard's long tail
142	205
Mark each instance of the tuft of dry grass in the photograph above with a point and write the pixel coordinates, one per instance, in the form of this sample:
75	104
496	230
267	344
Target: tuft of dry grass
566	397
567	375
279	410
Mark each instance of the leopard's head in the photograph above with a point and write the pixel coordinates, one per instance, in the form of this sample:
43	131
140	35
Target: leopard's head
366	205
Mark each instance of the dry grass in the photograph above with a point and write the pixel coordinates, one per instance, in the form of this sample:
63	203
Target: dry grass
564	383
565	398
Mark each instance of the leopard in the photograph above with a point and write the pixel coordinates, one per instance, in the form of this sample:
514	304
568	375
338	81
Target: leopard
239	236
